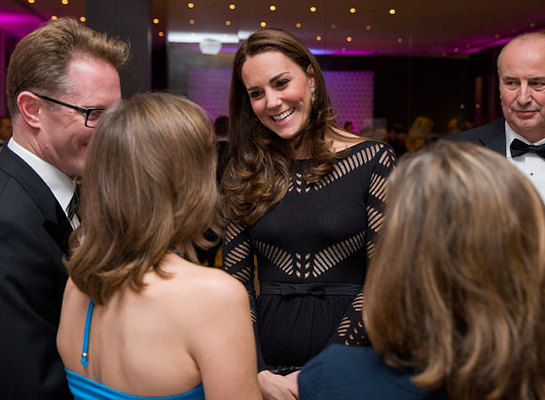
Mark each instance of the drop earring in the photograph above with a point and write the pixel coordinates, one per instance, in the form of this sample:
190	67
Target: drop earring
313	94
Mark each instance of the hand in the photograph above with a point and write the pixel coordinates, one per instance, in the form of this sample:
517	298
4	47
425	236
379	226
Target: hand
294	388
278	387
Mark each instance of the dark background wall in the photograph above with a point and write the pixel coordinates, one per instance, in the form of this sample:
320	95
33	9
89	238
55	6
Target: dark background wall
405	87
409	87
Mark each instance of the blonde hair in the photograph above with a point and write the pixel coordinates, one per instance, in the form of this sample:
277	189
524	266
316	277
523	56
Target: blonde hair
419	133
149	188
40	59
456	286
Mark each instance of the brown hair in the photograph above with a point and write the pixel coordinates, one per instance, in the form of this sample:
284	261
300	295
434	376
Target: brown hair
456	286
40	59
257	175
149	188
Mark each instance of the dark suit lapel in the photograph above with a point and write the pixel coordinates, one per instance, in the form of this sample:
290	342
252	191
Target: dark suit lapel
56	222
494	138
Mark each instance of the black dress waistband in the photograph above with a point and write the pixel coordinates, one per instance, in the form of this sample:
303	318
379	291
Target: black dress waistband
314	289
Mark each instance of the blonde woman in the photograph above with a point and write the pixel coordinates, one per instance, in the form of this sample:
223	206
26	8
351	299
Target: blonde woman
454	296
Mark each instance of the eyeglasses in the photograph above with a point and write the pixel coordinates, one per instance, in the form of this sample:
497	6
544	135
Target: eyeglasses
92	115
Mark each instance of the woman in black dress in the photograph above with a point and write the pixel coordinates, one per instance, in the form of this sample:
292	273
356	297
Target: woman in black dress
305	198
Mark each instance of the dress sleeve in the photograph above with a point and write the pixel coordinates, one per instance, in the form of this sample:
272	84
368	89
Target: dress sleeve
238	261
351	331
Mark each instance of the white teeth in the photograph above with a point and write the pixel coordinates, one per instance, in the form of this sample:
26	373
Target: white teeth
284	115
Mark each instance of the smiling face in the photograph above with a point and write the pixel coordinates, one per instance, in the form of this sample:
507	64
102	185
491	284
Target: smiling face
521	71
63	138
279	92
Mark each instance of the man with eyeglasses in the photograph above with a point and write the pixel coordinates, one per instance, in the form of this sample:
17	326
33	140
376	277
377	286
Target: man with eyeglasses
60	79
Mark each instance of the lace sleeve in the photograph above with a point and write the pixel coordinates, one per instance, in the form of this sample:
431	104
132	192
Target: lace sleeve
238	261
351	330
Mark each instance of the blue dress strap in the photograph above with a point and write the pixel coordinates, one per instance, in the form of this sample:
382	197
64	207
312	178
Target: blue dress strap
85	350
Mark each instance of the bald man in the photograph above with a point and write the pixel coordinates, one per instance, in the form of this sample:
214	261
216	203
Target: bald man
521	131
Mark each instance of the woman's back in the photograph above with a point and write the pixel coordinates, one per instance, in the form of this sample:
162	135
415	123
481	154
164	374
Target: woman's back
166	339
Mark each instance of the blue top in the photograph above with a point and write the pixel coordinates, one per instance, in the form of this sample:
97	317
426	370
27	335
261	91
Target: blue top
86	389
343	372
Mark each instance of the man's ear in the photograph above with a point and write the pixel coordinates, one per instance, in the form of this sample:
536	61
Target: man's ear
29	107
310	76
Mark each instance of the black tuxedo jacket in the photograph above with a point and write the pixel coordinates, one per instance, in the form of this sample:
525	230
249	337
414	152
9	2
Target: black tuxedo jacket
491	135
33	239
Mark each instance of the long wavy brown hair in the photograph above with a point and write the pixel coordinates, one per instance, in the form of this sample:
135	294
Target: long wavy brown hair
149	188
456	286
258	173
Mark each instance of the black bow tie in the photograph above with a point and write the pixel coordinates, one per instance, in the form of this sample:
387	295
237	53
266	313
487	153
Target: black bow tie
518	148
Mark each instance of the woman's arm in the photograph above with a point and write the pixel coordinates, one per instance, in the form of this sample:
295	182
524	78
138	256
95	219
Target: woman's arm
351	330
223	347
238	261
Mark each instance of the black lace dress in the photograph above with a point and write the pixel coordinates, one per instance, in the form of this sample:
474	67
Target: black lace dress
312	252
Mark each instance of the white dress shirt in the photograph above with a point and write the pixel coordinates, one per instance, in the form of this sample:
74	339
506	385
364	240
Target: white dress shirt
60	184
532	165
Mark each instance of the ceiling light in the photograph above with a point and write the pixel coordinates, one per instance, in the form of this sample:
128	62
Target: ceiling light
263	24
210	46
368	27
54	17
185	37
312	9
228	23
82	19
318	38
161	34
190	5
65	2
298	25
155	21
400	40
392	11
462	106
349	38
272	8
191	21
232	6
31	1
333	26
352	10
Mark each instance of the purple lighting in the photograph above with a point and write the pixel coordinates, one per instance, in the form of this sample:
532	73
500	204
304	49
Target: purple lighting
342	52
18	24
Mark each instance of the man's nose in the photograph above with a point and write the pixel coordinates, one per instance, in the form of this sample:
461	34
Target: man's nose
525	94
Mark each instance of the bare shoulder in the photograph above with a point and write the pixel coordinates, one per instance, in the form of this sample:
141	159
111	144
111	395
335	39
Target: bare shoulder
207	284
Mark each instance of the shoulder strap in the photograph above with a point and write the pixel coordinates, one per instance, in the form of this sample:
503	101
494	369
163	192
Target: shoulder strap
85	350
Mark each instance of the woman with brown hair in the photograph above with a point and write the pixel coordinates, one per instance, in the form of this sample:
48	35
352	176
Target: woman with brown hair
454	296
305	198
144	319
